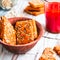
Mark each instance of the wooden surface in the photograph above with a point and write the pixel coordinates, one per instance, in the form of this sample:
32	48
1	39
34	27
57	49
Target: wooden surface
47	40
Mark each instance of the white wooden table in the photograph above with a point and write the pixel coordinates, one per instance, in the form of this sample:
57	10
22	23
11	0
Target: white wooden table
47	40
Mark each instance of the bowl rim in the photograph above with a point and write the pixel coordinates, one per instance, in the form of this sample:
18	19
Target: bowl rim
38	38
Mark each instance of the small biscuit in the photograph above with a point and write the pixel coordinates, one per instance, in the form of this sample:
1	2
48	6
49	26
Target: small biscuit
35	13
8	32
34	29
47	57
36	4
24	31
48	51
0	29
48	54
57	49
32	9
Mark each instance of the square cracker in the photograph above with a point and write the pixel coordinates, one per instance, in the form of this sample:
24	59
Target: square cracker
24	31
36	4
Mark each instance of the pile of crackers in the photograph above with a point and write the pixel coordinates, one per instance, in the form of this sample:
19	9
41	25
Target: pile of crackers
22	32
35	7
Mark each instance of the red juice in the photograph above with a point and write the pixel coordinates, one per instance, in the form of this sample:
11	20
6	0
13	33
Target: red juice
52	12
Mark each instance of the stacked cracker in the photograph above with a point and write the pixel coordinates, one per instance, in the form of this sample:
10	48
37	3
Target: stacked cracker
35	7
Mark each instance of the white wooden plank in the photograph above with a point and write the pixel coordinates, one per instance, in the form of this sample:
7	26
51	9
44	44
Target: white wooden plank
58	42
45	34
58	36
26	57
6	55
50	42
51	35
37	47
2	55
15	56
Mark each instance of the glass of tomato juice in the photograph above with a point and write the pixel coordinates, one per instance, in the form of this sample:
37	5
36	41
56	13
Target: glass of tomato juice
52	14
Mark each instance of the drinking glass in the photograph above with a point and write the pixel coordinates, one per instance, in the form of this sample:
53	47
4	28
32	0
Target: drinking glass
52	14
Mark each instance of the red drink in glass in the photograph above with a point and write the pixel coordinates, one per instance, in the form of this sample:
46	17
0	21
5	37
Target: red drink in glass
52	13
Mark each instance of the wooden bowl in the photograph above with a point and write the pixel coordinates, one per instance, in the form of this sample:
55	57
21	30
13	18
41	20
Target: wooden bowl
24	47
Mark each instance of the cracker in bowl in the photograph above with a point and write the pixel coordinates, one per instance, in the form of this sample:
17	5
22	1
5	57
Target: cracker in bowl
25	31
8	32
0	29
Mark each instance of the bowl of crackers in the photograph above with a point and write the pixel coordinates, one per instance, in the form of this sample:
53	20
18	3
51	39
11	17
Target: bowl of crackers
19	34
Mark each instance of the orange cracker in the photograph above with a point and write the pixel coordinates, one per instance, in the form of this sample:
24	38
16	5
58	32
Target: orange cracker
32	9
57	50
24	32
8	32
34	29
48	54
0	29
35	13
36	3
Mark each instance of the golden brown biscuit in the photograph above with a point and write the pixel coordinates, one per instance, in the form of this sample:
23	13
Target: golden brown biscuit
48	51
48	54
36	4
32	9
47	57
35	7
57	49
35	13
24	31
34	29
0	29
8	32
